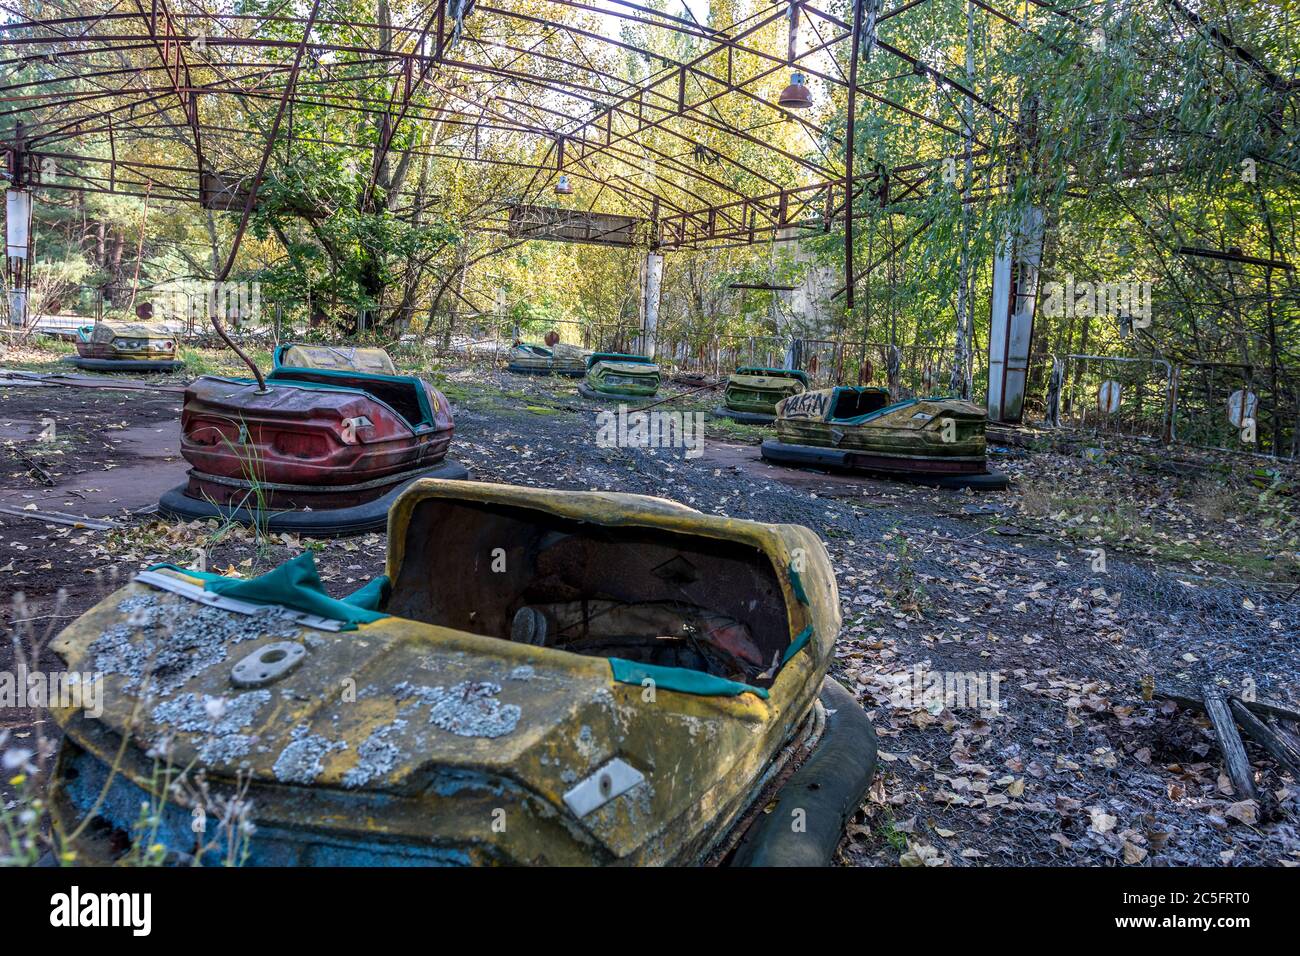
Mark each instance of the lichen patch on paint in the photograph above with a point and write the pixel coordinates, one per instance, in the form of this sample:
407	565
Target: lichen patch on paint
216	751
587	747
376	755
301	760
164	643
467	709
211	715
217	719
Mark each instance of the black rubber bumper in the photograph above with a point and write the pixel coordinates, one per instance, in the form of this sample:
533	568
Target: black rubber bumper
834	459
124	365
323	523
829	786
745	418
586	391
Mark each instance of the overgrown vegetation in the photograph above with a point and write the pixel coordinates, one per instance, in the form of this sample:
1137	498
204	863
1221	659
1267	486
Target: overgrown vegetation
1138	129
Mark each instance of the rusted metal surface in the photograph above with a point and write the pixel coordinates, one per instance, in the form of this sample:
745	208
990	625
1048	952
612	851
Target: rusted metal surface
1011	306
575	225
299	446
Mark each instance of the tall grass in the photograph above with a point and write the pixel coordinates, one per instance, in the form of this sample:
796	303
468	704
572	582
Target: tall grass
255	500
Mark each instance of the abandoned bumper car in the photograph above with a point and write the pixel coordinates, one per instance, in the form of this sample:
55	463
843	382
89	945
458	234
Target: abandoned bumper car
937	441
753	393
614	376
338	358
541	677
324	450
531	359
113	346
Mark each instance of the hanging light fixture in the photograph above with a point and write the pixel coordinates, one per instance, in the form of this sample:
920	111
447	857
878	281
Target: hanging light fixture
796	96
562	186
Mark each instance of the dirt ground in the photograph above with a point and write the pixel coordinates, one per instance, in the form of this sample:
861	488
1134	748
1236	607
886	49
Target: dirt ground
1078	764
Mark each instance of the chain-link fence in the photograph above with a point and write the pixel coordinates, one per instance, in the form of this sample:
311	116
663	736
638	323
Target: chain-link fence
1239	407
1228	406
1112	395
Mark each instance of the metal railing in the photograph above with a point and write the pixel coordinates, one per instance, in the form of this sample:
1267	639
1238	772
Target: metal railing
1225	406
1236	406
1112	395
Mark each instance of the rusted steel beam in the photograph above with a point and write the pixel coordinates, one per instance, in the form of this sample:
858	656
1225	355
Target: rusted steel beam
1230	46
226	41
171	53
638	93
597	146
640	125
676	24
405	87
68	124
806	197
689	111
850	148
1233	255
629	159
252	196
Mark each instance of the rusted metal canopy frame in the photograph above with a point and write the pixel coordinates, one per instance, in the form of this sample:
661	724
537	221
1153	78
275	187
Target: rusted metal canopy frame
165	35
666	95
581	111
252	195
343	102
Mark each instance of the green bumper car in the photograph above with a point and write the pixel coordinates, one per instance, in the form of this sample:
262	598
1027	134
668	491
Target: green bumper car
613	376
753	393
937	441
529	358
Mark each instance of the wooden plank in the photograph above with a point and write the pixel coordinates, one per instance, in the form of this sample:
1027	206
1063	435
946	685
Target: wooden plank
1278	748
1272	708
1261	705
1233	750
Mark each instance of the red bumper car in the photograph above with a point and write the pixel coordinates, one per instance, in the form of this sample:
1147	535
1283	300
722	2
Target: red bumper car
320	452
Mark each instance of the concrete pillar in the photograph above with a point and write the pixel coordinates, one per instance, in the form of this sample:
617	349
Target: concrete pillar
18	221
652	274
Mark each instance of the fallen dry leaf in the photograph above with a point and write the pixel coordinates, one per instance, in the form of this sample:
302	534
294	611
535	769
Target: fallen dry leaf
1102	822
1133	853
1245	811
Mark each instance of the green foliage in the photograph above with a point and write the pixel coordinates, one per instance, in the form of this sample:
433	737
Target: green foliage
1131	124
